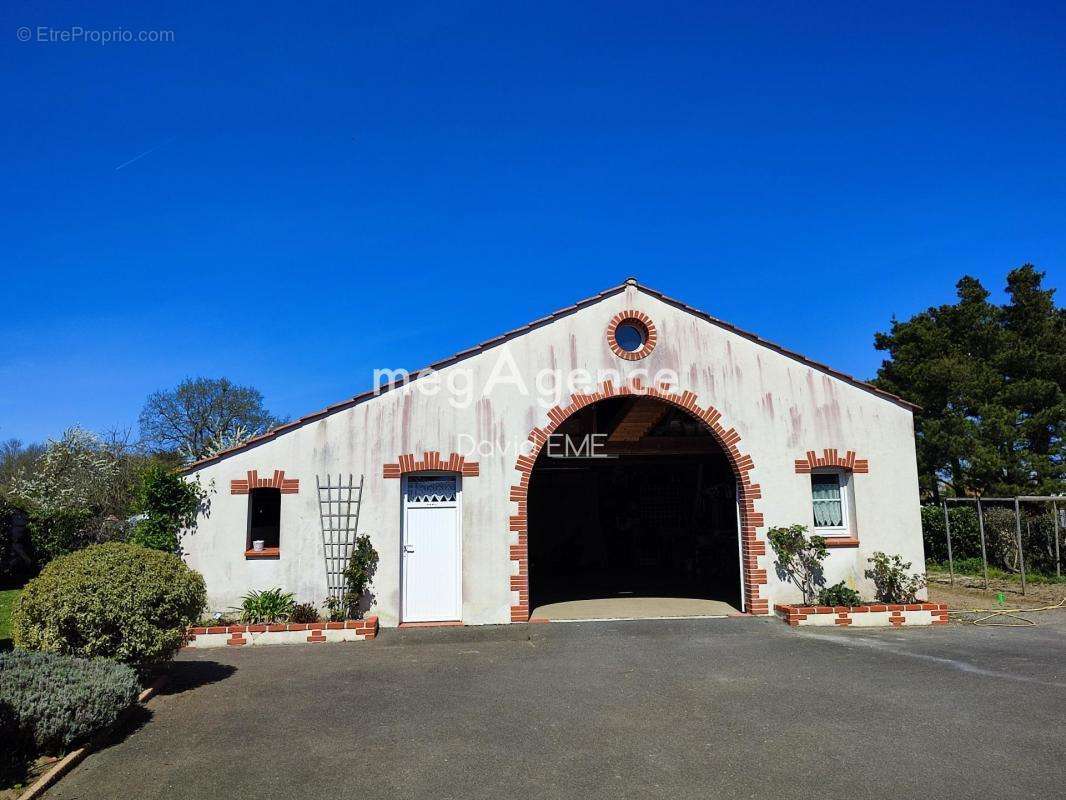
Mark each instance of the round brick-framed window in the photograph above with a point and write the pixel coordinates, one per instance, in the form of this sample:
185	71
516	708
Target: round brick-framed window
631	335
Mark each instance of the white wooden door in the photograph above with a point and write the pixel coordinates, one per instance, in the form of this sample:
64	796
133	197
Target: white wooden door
431	564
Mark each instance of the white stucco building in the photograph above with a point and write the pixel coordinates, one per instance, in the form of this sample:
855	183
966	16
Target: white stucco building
627	445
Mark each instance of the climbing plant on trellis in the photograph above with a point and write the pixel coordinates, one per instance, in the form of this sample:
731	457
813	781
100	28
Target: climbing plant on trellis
338	508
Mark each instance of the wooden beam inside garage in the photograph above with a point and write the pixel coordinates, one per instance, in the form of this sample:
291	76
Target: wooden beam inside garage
638	417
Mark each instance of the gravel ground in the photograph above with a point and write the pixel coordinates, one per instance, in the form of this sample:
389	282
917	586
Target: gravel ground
969	592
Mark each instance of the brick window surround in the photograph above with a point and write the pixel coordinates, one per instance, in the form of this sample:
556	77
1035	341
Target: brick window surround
748	493
639	318
831	459
431	460
253	481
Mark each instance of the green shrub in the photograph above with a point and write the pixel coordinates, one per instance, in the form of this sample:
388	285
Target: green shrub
169	504
362	565
58	701
965	534
7	527
58	532
270	605
112	600
799	558
11	764
337	608
1039	538
304	612
1001	537
839	595
154	534
892	582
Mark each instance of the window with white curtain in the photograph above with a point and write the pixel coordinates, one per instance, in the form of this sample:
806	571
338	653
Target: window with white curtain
828	492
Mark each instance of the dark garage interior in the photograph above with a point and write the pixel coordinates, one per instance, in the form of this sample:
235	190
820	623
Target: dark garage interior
633	498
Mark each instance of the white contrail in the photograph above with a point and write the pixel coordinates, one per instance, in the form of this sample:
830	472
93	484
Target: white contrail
146	152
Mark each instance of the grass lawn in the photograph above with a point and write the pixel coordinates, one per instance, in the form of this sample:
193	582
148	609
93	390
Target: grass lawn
972	566
7	602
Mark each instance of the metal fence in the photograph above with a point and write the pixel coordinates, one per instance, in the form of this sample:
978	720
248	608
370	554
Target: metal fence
1018	503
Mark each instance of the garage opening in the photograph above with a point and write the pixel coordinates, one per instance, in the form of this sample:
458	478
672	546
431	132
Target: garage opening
633	513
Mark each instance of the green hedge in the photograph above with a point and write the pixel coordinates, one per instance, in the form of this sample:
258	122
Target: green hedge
57	702
965	534
1001	535
7	523
112	600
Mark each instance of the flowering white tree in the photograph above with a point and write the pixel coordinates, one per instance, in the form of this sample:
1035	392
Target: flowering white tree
68	492
74	472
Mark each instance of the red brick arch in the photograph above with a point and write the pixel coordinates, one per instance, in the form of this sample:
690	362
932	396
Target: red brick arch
750	519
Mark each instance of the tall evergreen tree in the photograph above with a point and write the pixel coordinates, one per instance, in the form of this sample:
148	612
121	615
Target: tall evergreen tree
1033	364
991	381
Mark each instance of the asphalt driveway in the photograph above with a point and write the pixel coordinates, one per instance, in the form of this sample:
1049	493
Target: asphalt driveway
739	708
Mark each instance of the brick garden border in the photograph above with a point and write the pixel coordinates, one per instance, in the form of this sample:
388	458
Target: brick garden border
352	630
865	616
750	520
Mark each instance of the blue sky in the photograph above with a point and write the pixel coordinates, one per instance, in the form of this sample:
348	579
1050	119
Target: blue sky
330	188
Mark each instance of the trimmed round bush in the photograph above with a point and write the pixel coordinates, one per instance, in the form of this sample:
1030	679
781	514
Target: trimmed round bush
55	702
112	600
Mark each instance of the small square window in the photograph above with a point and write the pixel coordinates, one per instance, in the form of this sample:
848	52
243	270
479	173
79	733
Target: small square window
264	520
830	502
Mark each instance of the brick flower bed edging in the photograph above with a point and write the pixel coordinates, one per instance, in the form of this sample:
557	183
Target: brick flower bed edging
867	616
353	630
